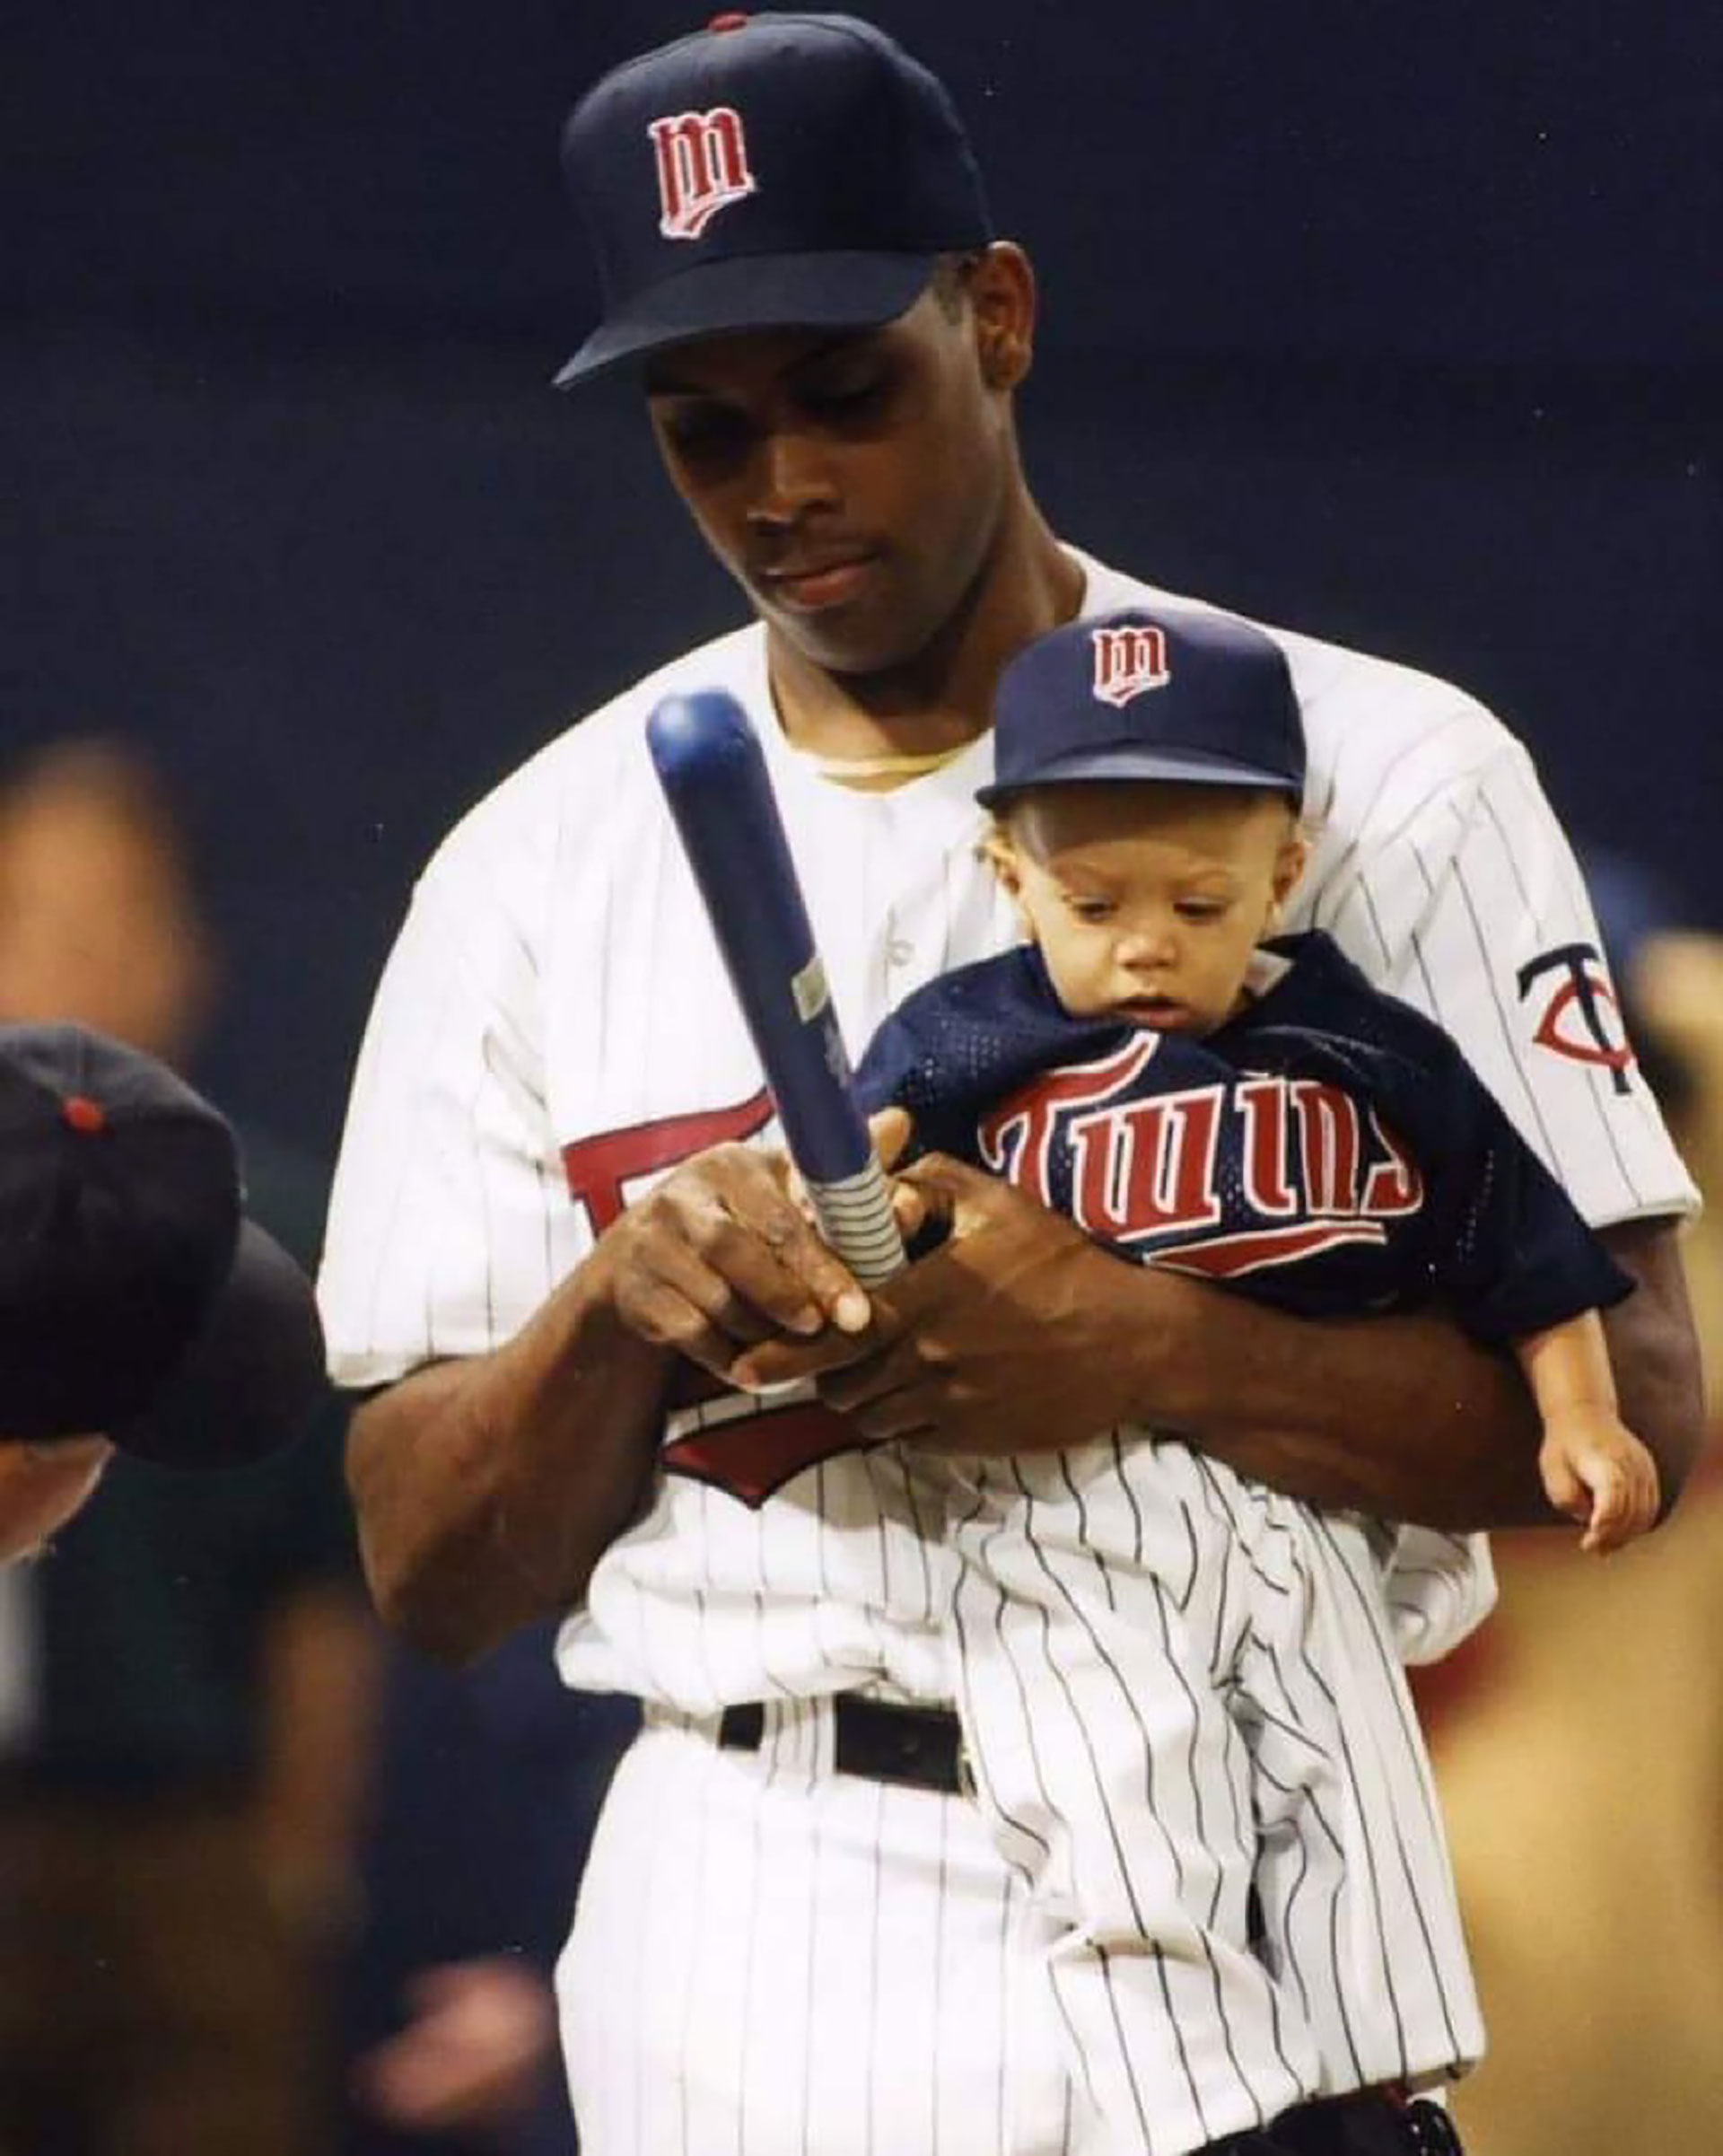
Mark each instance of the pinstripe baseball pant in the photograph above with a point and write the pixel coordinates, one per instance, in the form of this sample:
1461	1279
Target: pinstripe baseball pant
770	1959
1188	1720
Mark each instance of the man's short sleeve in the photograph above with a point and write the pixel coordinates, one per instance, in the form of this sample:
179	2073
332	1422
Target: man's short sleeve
1470	906
450	1222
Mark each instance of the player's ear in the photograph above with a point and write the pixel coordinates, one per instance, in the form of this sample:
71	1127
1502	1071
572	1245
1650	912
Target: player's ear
998	851
1001	285
1289	869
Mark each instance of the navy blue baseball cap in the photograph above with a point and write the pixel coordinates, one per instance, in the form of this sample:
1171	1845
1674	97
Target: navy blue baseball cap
1173	694
136	1298
768	171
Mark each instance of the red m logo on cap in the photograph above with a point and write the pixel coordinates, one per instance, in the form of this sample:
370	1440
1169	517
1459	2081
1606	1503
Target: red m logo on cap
1128	660
702	169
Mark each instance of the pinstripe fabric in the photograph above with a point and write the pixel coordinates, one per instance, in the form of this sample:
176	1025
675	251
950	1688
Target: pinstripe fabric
556	985
1175	1684
770	1960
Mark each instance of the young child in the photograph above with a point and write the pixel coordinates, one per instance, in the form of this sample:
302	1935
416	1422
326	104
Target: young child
1180	1689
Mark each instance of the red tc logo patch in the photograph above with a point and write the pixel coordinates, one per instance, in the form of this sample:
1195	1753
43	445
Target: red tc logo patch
1581	1019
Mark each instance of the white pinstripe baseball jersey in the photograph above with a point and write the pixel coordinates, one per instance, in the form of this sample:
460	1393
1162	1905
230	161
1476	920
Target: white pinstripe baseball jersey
555	1029
554	1012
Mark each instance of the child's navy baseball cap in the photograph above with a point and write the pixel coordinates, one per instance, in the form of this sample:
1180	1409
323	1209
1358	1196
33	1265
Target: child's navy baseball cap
1188	696
769	172
136	1299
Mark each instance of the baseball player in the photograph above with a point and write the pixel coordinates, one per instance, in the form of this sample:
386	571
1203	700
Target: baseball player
557	1205
1252	1112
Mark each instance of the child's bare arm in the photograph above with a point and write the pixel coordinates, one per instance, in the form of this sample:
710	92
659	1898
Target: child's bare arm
1594	1467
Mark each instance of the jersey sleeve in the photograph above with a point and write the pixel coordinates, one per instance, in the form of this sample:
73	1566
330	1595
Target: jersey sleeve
448	1224
944	1055
884	1073
1507	1249
1469	906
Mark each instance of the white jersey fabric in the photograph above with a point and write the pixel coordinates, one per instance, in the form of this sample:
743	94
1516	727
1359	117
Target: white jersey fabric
555	1030
1192	1737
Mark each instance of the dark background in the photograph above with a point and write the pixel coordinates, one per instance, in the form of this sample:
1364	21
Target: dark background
1402	325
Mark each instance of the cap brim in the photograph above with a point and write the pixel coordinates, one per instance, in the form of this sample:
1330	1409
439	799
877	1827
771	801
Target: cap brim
756	291
1097	767
252	1377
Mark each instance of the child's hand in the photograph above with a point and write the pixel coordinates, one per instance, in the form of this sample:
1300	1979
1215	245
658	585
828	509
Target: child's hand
1597	1471
891	1129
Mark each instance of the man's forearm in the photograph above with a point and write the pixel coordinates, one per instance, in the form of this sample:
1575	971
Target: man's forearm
488	1490
1406	1416
1654	1351
1398	1415
1018	1332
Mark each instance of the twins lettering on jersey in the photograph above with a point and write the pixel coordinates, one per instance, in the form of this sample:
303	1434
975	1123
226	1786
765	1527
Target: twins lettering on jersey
1224	1179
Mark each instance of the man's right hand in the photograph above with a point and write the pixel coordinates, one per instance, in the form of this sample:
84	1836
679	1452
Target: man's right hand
717	1257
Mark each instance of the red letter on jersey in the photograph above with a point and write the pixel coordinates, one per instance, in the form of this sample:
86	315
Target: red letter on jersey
1015	1138
1396	1183
1265	1108
1146	1169
600	1168
1328	1127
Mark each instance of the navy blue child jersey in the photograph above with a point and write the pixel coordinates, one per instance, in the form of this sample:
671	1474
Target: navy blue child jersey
1330	1150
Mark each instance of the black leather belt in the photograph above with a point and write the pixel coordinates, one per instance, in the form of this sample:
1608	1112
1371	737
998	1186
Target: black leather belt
920	1747
1373	2122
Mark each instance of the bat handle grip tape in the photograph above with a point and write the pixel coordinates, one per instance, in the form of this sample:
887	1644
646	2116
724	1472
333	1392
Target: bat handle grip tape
856	1219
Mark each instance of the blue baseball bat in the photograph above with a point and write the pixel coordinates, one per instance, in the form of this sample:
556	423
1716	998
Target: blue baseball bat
710	767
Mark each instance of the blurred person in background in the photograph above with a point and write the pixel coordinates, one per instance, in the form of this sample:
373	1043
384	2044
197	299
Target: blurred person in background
142	1309
1581	1753
489	1785
187	1674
